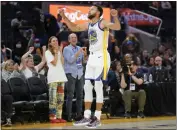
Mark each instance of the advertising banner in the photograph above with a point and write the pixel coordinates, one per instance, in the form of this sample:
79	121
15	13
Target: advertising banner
77	14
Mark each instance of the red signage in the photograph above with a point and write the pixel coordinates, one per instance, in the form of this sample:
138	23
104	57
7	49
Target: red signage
137	18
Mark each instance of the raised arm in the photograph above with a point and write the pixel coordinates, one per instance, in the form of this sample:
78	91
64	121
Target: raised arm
109	25
31	41
74	27
31	49
22	64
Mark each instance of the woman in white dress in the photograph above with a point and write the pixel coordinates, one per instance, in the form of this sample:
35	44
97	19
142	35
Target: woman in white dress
56	79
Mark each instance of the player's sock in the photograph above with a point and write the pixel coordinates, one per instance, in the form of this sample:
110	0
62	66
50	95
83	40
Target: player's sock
98	114
87	113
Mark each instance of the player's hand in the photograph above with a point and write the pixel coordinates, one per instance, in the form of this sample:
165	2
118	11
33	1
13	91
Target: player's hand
61	12
31	49
114	13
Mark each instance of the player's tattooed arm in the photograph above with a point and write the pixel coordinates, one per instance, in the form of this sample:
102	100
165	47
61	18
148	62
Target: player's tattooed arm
114	26
80	27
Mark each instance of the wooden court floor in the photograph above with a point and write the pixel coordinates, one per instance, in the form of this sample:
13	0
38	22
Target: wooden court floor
168	122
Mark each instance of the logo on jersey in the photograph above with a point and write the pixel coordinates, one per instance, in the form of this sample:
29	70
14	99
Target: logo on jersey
92	36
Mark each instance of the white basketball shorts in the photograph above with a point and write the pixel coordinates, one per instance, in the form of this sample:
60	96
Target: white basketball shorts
95	65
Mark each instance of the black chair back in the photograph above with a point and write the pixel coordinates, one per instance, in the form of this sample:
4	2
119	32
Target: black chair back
5	89
43	79
20	90
36	87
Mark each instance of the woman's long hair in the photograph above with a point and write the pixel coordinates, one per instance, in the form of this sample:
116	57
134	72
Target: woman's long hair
50	47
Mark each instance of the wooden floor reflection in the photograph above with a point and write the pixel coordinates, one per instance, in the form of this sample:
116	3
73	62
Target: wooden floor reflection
121	123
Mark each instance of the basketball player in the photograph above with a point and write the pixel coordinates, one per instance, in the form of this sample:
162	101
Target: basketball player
98	62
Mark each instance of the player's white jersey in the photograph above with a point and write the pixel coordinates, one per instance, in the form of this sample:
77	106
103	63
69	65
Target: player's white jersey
96	36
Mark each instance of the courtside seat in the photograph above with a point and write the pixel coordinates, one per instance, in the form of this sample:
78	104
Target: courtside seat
39	96
21	96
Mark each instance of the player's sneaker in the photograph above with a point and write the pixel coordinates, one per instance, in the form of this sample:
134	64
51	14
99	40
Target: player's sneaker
83	121
94	123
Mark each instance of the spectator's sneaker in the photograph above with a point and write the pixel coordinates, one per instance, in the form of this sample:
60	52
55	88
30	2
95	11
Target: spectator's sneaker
127	115
94	123
140	114
83	121
8	123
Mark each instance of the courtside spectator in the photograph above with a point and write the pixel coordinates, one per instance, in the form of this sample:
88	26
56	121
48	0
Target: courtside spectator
29	69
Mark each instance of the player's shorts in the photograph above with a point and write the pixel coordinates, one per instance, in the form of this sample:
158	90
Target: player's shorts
95	65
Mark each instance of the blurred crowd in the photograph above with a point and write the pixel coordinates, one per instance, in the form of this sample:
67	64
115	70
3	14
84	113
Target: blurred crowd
26	30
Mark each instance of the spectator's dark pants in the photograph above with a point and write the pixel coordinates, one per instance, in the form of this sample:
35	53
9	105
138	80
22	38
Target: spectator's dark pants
6	104
140	96
77	86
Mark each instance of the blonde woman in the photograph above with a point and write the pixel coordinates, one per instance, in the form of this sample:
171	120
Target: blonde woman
56	79
29	69
10	70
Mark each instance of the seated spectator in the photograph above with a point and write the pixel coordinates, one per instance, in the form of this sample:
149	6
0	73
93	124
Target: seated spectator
29	69
11	70
166	61
170	52
155	52
161	50
133	89
150	62
144	57
159	73
20	47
